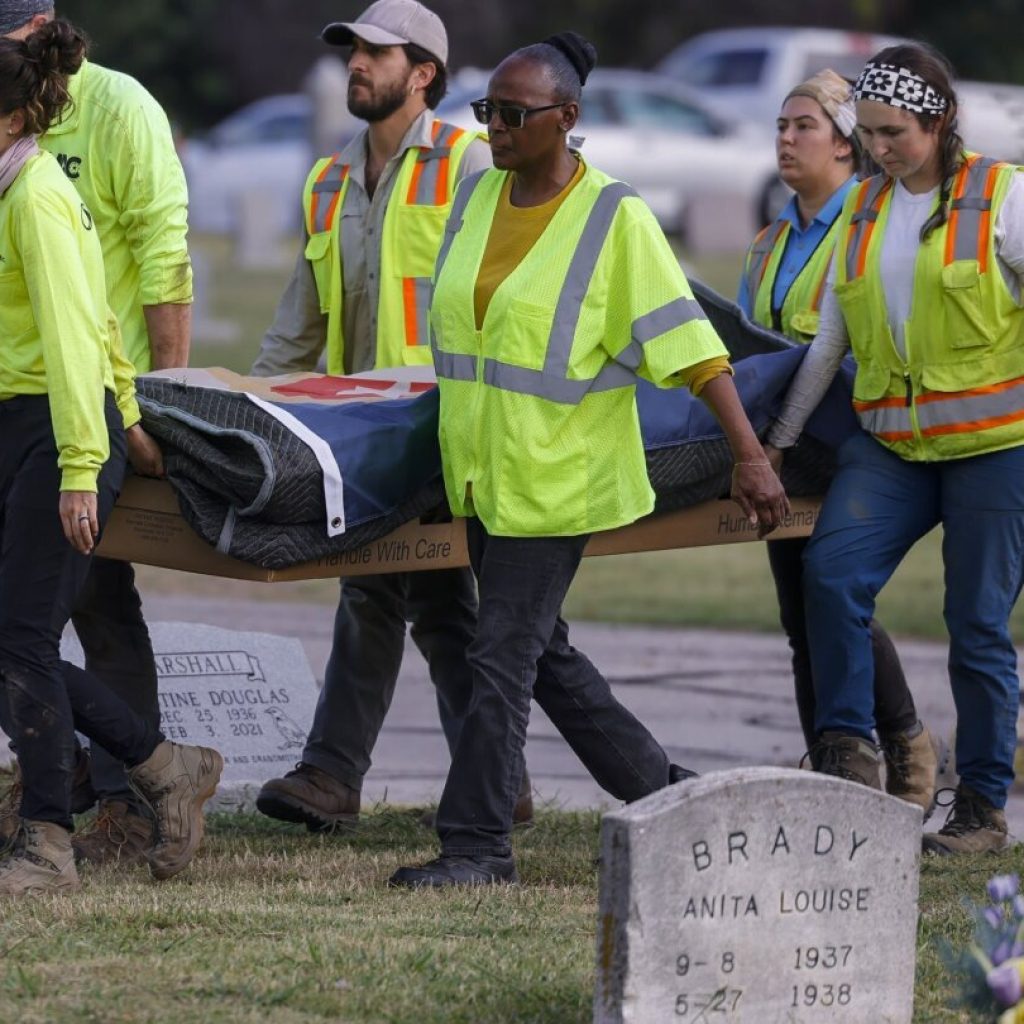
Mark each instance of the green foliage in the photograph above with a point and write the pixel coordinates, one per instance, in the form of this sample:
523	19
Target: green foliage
168	45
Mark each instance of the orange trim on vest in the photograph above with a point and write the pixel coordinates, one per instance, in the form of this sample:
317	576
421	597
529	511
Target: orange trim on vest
409	307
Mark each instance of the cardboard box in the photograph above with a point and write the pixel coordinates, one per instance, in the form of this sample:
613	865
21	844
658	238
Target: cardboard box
146	527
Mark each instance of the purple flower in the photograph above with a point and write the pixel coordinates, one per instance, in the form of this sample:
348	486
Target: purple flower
1018	906
994	916
1005	984
1003	952
1002	887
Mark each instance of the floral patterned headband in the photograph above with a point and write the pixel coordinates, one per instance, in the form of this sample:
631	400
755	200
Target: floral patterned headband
898	87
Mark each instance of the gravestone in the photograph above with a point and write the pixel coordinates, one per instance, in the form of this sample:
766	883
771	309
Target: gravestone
250	695
758	896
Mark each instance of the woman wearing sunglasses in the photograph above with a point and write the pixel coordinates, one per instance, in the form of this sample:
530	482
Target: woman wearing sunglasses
554	291
926	289
782	286
66	393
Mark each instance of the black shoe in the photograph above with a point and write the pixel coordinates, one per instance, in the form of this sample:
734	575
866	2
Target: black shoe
448	870
677	773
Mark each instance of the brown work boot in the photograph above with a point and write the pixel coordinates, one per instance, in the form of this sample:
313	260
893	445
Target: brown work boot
41	861
522	812
117	836
310	797
913	760
176	781
847	757
973	826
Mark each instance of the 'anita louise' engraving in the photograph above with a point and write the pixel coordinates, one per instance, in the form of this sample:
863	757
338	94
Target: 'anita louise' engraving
758	896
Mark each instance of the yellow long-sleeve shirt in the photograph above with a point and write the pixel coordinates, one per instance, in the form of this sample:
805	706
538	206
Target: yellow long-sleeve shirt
115	145
57	335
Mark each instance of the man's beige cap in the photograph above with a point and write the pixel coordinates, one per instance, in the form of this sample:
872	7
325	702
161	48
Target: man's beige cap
393	23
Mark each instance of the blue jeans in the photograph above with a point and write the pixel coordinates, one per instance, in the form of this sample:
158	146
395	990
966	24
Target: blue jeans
878	506
521	650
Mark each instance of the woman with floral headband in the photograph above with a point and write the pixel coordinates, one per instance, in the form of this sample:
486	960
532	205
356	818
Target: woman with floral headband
819	156
926	290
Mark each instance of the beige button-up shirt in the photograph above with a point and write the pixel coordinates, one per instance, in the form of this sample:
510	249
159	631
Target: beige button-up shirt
296	339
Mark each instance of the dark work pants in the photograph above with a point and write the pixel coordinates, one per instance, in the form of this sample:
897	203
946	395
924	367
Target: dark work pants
369	640
521	650
42	699
894	704
109	623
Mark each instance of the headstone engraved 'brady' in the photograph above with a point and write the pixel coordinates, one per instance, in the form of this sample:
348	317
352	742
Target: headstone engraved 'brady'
758	896
250	695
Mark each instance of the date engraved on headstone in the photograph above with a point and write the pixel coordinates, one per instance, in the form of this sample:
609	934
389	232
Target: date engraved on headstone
758	896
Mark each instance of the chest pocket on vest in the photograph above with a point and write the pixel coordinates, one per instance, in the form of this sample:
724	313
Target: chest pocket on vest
318	252
419	230
804	324
524	335
854	302
962	305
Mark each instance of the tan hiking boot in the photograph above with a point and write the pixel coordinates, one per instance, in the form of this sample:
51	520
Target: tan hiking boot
117	836
310	797
913	761
41	861
847	757
176	781
973	826
82	796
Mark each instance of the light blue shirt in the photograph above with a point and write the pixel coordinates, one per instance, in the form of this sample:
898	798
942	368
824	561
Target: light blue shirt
801	244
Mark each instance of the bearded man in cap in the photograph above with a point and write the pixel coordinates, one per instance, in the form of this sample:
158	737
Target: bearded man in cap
115	145
359	294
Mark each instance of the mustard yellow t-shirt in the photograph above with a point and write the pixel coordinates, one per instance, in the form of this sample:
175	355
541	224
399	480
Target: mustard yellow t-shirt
514	232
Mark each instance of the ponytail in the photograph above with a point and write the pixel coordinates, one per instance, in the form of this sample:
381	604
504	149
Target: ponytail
34	73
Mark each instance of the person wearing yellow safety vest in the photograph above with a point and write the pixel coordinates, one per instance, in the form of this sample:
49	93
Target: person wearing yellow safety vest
114	144
925	287
374	216
555	291
66	399
782	286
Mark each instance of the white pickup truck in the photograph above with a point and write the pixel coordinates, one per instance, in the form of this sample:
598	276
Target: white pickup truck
747	72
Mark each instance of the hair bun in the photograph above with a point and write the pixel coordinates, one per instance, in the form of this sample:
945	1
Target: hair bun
580	53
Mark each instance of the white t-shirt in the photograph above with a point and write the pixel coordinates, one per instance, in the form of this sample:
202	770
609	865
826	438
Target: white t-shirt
907	215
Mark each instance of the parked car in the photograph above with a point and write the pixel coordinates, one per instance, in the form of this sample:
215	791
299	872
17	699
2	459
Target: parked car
263	148
660	137
746	73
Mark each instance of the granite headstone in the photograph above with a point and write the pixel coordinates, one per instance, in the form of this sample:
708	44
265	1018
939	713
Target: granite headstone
759	896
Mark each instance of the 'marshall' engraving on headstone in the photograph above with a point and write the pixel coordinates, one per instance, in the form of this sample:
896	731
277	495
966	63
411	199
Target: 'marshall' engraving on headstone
759	895
250	695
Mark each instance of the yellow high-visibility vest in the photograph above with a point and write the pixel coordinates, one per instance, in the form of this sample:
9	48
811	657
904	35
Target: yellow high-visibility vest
960	389
538	424
801	308
413	227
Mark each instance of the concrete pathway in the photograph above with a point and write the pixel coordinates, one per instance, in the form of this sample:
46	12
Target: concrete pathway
714	699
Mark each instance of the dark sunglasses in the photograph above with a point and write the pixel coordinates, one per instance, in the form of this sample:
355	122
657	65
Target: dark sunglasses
511	117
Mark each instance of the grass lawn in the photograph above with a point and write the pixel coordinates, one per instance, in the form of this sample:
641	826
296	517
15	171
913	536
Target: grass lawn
270	924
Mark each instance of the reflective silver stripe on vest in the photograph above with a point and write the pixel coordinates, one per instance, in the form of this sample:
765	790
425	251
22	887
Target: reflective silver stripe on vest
328	187
580	274
760	253
422	291
539	384
450	364
968	409
970	207
454	365
676	313
430	160
889	419
860	220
